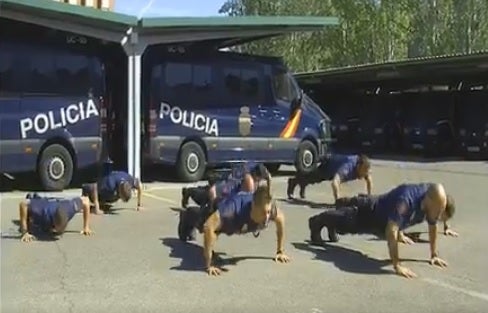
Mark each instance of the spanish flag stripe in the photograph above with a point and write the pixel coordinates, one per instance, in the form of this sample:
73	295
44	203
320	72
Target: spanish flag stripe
292	126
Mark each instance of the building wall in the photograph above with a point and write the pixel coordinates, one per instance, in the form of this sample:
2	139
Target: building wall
107	5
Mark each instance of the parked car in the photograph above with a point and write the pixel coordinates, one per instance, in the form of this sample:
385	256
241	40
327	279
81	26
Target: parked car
379	125
472	121
344	113
428	123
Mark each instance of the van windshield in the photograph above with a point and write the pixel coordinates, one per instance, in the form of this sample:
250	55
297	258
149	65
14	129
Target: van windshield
283	86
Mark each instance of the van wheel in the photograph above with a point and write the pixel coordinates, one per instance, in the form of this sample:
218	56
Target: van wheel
55	168
306	161
273	168
191	162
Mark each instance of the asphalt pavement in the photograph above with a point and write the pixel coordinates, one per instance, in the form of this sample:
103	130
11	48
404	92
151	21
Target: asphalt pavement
135	263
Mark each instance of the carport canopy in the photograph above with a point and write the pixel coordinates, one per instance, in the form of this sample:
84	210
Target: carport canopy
439	69
135	35
85	21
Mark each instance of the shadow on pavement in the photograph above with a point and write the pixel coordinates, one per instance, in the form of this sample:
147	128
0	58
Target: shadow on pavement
191	256
346	259
349	260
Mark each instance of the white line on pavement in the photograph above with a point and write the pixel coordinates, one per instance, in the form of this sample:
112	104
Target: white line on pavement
468	292
150	195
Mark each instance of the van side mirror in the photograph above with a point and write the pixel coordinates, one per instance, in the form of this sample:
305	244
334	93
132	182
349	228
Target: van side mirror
296	103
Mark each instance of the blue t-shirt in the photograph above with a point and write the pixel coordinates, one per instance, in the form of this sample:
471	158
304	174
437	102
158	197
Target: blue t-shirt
345	166
42	210
108	185
402	205
235	212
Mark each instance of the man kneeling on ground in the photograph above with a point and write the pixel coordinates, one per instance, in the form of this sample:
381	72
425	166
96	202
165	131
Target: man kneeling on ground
390	213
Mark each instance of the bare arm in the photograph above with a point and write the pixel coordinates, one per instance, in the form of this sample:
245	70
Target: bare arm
432	215
280	231
139	193
335	187
433	241
369	184
268	182
391	233
209	239
86	216
94	196
24	222
279	219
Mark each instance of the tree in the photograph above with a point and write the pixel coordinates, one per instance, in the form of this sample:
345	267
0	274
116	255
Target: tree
371	30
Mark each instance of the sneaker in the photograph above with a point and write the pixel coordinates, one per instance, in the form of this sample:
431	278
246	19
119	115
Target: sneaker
184	197
291	188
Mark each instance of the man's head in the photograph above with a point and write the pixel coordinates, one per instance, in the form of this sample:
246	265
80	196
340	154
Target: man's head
262	202
125	191
61	220
448	213
363	166
438	203
259	172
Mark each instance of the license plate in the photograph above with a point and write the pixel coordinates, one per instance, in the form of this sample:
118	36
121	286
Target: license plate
474	149
366	143
418	146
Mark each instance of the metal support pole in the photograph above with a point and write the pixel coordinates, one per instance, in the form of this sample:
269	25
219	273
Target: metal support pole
130	116
137	115
134	49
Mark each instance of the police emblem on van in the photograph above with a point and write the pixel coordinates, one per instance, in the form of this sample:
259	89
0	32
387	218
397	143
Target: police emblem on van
63	117
189	119
244	122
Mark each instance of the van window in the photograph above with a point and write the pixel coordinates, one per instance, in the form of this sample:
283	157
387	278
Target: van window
73	74
243	86
10	80
188	84
42	73
283	87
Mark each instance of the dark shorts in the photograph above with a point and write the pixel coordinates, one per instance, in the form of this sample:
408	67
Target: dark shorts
87	191
357	215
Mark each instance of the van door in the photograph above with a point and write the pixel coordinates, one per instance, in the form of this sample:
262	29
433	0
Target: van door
11	71
243	118
285	115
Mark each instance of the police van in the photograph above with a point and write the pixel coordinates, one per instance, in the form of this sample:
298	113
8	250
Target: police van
208	109
51	95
